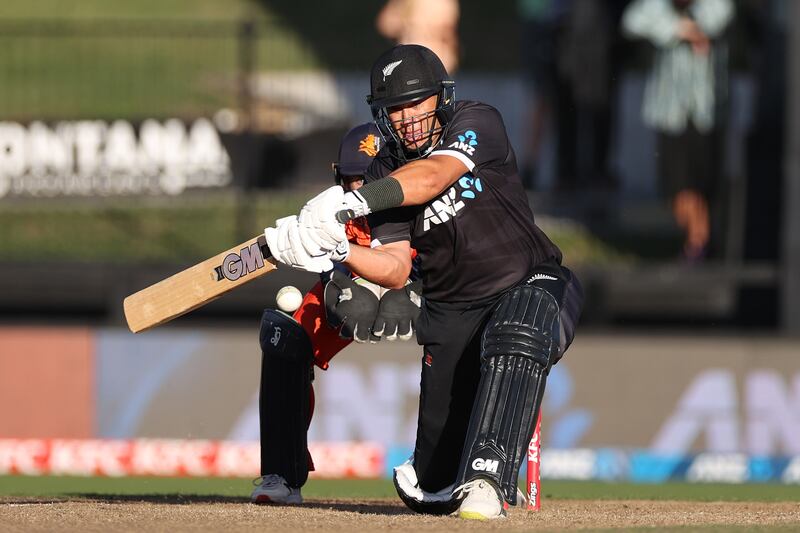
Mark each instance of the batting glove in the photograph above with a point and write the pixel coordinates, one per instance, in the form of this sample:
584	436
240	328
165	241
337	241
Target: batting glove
341	253
286	245
318	222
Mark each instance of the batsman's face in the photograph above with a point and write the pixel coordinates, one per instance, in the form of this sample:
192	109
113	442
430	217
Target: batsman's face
413	122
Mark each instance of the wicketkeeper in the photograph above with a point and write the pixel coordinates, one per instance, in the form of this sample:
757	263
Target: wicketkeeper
336	311
499	309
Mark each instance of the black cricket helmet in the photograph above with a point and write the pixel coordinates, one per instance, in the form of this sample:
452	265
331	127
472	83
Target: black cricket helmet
403	75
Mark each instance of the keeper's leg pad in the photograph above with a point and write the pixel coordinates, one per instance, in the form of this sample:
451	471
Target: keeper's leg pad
519	345
284	401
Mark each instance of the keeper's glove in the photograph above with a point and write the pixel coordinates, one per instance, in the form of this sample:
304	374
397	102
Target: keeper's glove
351	306
398	312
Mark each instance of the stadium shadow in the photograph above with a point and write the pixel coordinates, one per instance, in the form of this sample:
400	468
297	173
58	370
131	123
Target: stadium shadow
176	499
29	500
361	507
379	507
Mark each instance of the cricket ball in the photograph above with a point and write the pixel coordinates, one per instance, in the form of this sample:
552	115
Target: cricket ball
289	299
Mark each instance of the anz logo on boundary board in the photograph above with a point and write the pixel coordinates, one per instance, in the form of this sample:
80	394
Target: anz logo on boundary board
451	202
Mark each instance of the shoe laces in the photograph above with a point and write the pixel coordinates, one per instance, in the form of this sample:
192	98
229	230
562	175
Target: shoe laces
469	486
522	498
268	480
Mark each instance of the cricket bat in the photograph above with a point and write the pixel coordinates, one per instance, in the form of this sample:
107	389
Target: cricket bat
196	286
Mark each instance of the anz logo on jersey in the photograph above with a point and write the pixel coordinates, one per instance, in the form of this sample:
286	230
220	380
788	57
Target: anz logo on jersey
451	202
466	143
467	182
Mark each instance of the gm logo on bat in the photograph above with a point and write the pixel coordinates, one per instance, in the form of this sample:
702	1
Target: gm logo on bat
248	260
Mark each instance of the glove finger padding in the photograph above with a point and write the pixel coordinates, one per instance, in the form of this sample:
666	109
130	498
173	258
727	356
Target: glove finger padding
319	217
351	306
376	331
404	330
349	329
286	246
278	240
360	334
332	295
390	333
378	326
313	243
299	257
397	313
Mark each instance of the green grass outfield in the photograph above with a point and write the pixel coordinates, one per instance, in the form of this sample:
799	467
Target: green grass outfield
180	230
224	488
191	228
176	58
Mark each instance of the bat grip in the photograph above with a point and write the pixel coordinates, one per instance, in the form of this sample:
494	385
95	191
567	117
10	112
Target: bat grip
262	244
345	215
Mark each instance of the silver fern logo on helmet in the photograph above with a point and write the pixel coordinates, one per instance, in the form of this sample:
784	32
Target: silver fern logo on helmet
388	69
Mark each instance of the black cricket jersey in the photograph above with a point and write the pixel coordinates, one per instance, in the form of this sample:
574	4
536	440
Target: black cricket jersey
479	237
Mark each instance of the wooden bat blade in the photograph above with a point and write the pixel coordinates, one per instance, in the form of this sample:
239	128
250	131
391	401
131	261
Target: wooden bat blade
198	285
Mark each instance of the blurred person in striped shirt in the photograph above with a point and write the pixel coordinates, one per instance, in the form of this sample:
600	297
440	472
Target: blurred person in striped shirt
686	88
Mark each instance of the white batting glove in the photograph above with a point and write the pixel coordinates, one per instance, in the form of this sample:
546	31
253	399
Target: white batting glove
286	246
317	219
354	202
341	253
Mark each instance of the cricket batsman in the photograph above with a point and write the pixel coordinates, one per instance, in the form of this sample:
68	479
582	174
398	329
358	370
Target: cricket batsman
336	311
498	310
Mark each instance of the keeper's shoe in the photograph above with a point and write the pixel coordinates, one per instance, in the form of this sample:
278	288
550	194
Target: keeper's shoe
272	488
483	501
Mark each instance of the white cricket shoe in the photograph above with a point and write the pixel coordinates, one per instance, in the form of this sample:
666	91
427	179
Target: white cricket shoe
272	488
482	502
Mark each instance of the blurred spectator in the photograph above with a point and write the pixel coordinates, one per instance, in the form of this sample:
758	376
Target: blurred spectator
588	62
684	90
540	22
570	51
431	23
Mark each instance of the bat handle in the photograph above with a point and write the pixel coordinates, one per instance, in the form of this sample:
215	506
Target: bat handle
345	215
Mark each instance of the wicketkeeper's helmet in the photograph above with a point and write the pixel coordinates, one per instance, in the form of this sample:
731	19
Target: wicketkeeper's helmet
356	151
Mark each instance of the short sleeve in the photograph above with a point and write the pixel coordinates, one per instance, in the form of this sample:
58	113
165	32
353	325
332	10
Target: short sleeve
379	167
392	225
477	137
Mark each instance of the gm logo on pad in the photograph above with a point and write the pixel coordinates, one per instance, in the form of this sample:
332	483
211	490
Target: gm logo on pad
485	465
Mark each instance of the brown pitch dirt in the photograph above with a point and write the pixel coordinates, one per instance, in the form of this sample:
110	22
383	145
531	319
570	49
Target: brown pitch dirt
234	514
